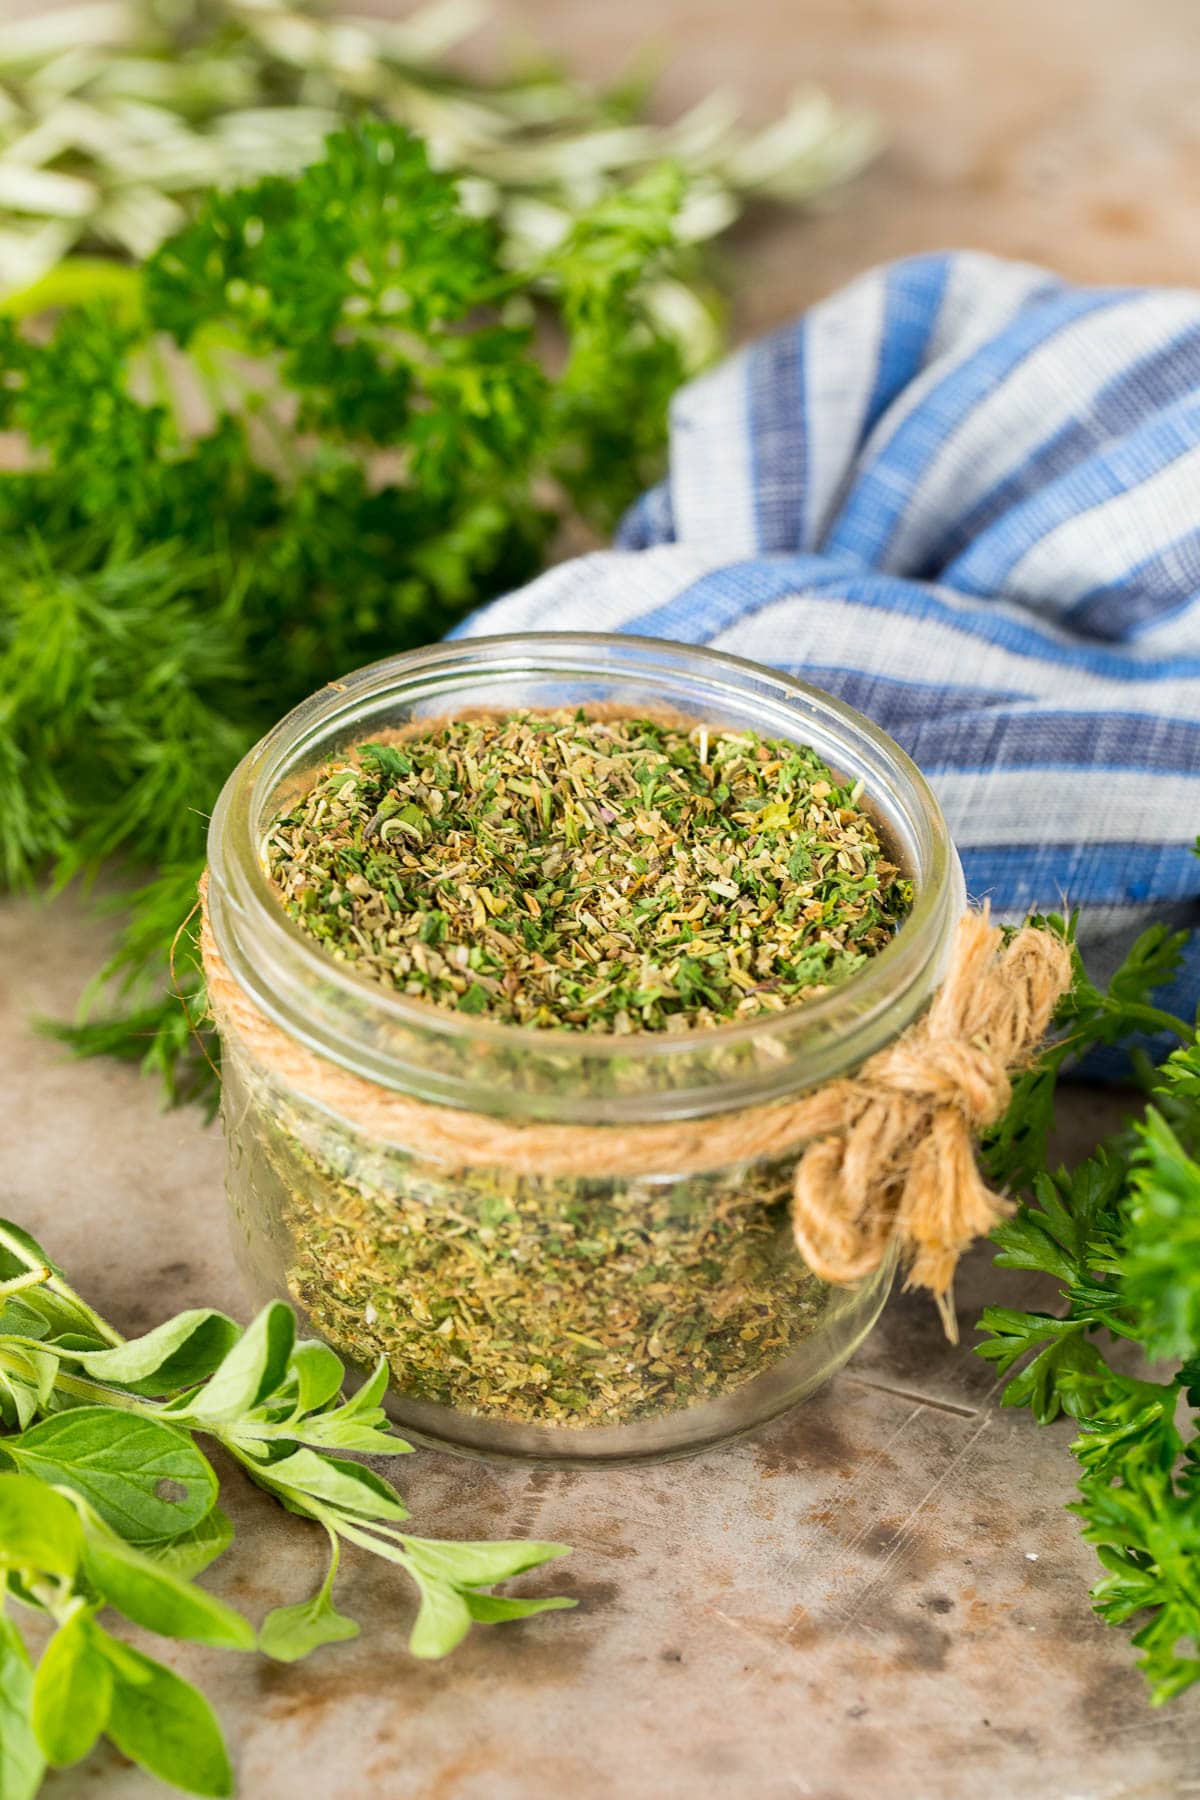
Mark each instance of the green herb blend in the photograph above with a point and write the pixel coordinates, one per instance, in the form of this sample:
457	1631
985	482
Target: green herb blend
613	874
599	874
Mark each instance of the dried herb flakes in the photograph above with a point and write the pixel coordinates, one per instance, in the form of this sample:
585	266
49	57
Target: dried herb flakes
598	874
545	1301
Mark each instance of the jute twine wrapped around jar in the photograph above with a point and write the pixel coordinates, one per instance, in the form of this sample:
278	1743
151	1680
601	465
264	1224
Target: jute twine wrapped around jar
885	1156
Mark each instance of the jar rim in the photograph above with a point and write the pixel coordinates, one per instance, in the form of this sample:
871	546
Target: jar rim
327	1004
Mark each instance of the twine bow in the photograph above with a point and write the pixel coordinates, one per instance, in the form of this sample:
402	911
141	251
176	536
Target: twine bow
899	1162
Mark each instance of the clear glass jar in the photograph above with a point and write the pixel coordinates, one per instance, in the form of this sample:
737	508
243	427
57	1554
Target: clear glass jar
611	1318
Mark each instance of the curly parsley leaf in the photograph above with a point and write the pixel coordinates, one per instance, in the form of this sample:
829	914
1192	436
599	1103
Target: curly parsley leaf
1088	1018
1120	1234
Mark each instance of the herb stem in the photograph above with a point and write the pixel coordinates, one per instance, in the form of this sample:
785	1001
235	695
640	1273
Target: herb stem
1157	1018
33	1278
80	1388
56	1596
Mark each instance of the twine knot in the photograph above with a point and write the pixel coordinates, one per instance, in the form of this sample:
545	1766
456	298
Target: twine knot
897	1162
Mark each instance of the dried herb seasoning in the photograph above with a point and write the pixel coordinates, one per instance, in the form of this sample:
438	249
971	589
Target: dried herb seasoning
547	1301
591	871
602	874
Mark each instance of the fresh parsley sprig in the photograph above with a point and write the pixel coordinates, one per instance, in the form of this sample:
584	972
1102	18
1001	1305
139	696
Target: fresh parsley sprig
108	1503
1121	1236
1088	1018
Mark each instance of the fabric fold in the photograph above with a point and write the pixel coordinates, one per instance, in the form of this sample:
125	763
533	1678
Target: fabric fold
964	496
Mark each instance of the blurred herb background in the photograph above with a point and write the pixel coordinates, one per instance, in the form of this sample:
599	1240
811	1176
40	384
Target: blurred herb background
309	344
116	116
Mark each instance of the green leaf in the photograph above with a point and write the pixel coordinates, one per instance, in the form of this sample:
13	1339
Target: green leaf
319	1375
38	1367
18	1401
335	1481
162	1722
1153	960
1162	1244
39	1529
1068	1231
19	1319
177	1354
71	1692
292	1632
254	1368
479	1564
145	1479
19	1252
443	1619
1050	1380
360	1423
497	1609
151	1594
22	1764
390	762
368	1397
192	1551
289	1633
326	1431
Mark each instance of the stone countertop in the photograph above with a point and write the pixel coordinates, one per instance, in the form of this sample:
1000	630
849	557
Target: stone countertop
882	1591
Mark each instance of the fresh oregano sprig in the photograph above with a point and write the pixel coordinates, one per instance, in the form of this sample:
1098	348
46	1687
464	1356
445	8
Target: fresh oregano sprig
108	1503
1121	1236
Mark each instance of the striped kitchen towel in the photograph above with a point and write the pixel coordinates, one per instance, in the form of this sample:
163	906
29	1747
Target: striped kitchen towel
964	496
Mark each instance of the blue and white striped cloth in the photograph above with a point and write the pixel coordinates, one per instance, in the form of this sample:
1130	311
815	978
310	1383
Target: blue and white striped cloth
963	495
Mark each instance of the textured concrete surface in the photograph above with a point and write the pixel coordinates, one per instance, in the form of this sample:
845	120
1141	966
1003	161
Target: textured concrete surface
881	1593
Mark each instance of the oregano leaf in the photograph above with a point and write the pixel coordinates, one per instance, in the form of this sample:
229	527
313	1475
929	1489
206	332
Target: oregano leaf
176	1354
251	1370
72	1691
145	1479
289	1633
443	1619
192	1551
336	1481
162	1722
39	1529
153	1595
478	1564
22	1763
319	1375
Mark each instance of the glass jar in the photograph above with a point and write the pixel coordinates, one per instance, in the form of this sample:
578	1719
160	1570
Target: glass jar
524	1313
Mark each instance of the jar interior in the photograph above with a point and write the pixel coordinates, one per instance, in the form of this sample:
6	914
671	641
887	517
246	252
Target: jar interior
435	1054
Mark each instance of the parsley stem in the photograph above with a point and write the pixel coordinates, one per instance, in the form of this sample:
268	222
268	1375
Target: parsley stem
1157	1019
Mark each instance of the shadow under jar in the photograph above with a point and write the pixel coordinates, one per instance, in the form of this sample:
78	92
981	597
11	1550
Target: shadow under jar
584	1317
